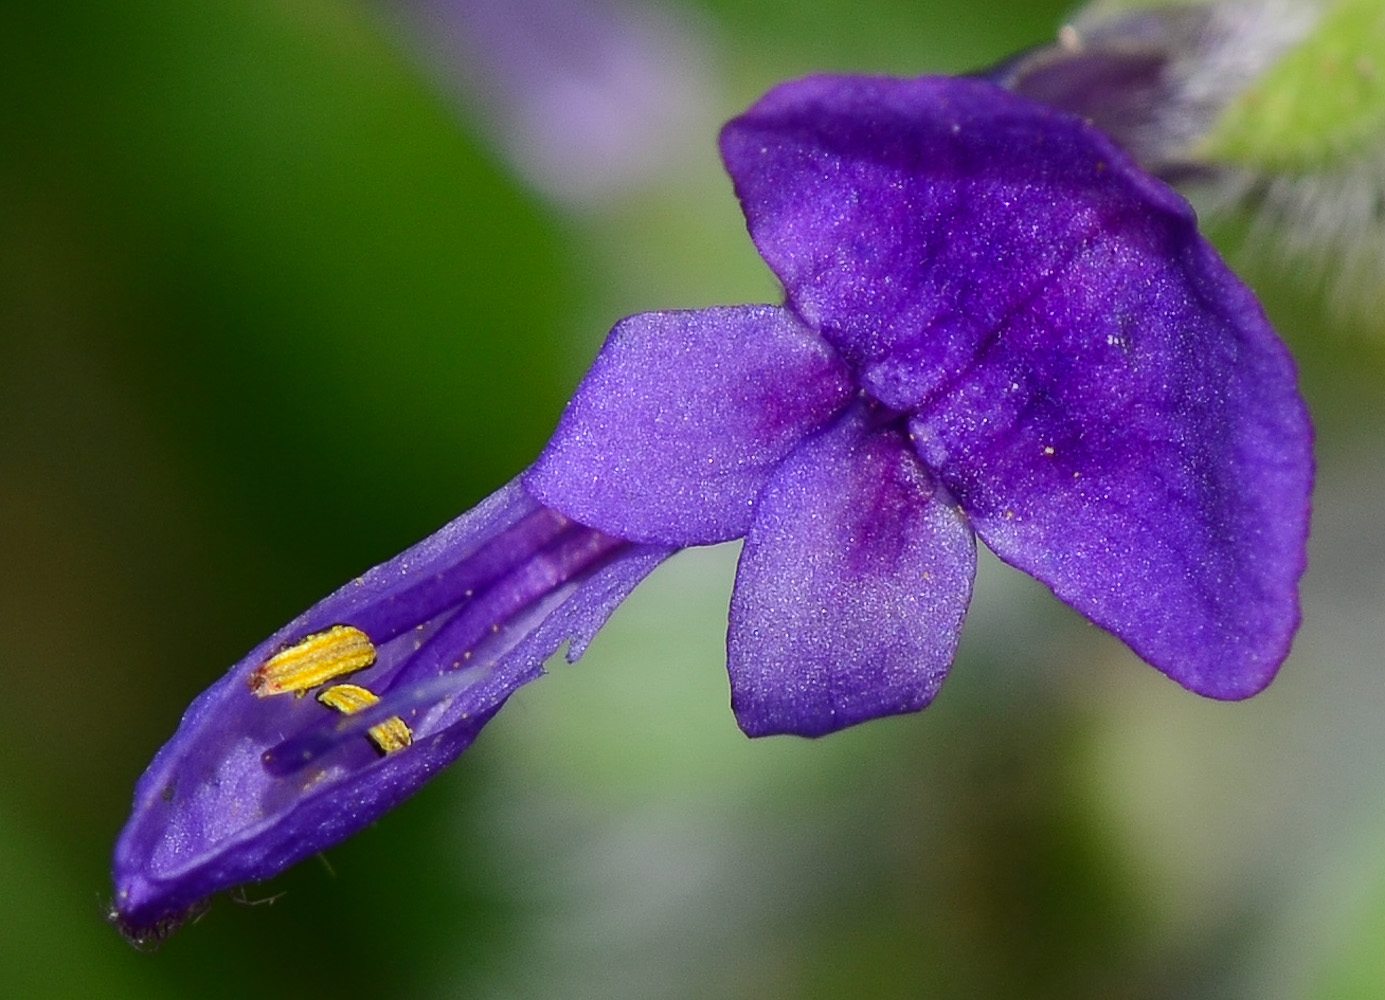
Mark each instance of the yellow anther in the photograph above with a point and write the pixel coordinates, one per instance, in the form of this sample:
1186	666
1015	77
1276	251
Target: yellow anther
391	735
314	660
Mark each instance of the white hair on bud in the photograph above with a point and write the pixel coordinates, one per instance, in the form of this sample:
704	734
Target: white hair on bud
1214	52
1326	227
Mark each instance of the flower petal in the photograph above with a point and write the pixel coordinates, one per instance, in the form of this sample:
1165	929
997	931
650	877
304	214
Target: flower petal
216	808
852	587
911	221
683	417
1103	396
1138	444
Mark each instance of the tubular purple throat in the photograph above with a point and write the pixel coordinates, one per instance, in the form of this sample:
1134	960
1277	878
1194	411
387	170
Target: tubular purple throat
254	782
995	325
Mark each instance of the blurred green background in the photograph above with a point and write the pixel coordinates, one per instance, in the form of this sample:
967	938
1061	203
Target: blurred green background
274	303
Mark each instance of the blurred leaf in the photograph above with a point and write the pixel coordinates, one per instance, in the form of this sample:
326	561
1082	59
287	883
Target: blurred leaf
1322	103
334	297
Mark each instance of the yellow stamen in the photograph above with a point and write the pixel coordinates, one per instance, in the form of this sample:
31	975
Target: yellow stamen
314	660
391	735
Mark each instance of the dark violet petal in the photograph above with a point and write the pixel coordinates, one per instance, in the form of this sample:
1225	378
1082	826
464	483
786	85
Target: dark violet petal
1135	440
213	810
681	420
852	587
913	221
1005	273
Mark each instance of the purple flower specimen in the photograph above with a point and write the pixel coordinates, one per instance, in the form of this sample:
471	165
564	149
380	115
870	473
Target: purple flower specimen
587	97
995	325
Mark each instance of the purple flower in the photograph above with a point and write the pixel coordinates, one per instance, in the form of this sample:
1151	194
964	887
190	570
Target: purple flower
996	325
587	97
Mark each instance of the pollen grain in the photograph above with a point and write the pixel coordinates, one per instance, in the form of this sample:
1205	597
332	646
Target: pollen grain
312	661
391	735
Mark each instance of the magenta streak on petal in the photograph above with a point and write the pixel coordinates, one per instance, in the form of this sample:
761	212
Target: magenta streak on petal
852	586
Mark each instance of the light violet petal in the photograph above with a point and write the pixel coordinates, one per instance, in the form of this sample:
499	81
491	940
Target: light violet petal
852	587
683	417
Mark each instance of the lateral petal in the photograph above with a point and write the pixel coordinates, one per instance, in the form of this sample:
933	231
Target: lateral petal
1138	444
1102	395
683	417
852	587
